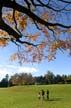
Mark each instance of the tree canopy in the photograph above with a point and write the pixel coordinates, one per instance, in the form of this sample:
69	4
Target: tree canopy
49	21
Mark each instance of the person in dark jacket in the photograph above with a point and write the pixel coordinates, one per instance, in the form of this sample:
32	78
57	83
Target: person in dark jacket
42	93
47	94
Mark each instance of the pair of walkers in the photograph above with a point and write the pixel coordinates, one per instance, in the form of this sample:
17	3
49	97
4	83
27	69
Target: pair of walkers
41	95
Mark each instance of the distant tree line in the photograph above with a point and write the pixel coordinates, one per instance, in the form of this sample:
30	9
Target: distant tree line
5	81
28	79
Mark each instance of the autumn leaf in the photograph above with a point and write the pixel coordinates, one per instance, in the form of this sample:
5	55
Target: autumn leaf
45	32
44	16
23	22
31	21
14	57
17	15
3	42
53	47
53	27
51	55
64	46
35	36
30	48
42	45
3	33
8	17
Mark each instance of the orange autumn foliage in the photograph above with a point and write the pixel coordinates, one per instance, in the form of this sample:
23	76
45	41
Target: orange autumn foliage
3	42
14	57
35	36
43	40
45	32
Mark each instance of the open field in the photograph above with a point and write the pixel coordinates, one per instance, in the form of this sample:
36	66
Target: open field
26	97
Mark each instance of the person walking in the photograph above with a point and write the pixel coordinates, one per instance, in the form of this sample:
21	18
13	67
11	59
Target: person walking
47	94
39	95
43	93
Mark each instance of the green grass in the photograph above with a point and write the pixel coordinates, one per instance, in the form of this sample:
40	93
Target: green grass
26	97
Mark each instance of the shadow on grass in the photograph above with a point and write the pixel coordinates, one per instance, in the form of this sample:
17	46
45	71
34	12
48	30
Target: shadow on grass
54	99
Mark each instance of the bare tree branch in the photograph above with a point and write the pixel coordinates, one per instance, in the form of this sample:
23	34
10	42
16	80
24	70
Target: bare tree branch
65	1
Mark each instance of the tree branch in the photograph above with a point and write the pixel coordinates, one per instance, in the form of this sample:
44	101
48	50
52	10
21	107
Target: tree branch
33	16
8	29
28	43
64	1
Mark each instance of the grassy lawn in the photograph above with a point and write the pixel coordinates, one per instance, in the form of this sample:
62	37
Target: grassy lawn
26	97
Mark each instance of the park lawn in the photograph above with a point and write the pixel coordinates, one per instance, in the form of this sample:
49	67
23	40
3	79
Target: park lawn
26	96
